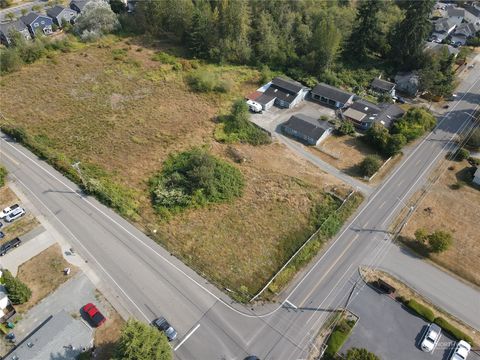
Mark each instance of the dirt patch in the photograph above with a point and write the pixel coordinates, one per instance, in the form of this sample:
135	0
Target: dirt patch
44	274
107	335
456	211
344	152
404	291
20	226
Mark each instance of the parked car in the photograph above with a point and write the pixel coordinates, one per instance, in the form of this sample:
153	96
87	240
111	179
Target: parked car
254	106
9	245
461	351
163	325
252	357
94	315
14	214
2	234
431	338
7	210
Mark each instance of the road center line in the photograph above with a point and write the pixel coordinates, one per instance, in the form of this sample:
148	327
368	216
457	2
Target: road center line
186	337
328	270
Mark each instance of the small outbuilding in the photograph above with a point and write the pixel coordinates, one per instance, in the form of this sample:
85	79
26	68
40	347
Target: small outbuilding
331	96
381	86
307	129
78	5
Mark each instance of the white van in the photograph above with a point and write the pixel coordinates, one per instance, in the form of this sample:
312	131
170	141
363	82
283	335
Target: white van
14	214
254	106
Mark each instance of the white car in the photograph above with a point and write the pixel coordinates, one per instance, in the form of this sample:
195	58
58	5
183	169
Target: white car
461	351
8	210
431	337
14	214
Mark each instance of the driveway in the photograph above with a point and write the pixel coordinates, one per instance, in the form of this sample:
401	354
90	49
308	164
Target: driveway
70	297
271	119
389	330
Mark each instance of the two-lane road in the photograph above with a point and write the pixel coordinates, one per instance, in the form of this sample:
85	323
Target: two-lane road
142	277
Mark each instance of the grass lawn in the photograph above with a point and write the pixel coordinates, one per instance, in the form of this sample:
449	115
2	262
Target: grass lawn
43	274
110	105
20	226
457	211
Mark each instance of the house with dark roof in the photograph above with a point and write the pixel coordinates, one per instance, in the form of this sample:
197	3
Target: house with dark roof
285	93
381	86
78	5
455	14
363	114
307	129
38	24
6	31
331	96
462	33
61	15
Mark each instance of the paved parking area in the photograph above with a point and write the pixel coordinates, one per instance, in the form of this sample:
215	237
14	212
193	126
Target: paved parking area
389	330
272	118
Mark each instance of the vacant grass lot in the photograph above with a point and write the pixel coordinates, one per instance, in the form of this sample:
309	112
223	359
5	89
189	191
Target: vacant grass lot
113	106
456	211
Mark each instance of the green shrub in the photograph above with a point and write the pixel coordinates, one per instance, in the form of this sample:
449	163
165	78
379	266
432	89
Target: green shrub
338	337
237	127
439	241
164	58
10	60
18	292
461	154
370	165
205	81
452	330
414	123
346	128
3	175
360	354
194	178
421	310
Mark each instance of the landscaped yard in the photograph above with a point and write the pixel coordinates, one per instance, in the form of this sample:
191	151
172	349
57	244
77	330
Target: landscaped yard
455	210
121	113
20	226
43	274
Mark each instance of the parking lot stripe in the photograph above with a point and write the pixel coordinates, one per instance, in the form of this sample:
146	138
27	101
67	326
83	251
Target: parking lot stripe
186	337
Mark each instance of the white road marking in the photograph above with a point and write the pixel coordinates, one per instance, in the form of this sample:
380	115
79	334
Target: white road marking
11	159
382	205
186	337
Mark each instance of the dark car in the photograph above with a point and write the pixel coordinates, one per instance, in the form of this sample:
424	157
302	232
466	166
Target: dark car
94	315
2	235
9	245
163	325
252	357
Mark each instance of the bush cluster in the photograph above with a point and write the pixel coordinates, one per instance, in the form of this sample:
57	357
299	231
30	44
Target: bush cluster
338	337
194	178
452	330
18	292
421	310
237	127
410	127
438	241
3	175
370	165
346	128
205	81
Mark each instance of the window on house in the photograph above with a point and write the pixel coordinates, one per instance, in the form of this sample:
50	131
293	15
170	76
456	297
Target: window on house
42	22
36	25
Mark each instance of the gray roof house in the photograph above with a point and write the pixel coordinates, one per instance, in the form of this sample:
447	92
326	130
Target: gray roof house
443	28
472	15
38	24
60	14
307	129
7	29
456	14
383	86
78	5
331	96
435	48
462	33
364	113
59	337
286	92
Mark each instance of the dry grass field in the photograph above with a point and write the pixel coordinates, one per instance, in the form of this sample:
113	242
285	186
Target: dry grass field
457	211
110	105
44	274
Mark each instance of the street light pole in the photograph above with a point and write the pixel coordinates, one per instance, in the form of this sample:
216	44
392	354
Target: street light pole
76	166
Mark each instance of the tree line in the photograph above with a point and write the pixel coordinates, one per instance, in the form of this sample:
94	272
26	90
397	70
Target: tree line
310	37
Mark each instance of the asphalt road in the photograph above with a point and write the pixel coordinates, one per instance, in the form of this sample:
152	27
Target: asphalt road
17	10
140	276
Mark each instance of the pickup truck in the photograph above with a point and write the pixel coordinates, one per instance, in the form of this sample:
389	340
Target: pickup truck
9	245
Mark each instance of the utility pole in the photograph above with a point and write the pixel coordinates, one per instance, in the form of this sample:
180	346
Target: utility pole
350	295
76	166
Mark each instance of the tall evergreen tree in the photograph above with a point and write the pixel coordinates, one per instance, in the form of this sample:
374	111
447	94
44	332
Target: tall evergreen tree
366	34
325	41
408	37
200	35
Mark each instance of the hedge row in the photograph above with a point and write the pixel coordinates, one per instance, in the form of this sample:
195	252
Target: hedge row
427	314
452	330
421	310
338	337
